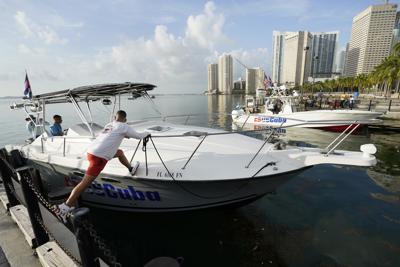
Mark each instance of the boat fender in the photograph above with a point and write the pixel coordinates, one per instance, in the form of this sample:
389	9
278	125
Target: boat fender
368	150
16	159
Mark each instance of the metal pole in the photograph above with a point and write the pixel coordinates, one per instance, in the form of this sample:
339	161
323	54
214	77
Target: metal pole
78	218
64	147
81	115
337	138
134	153
5	173
44	115
145	158
266	140
241	128
333	148
41	143
184	166
390	105
90	112
32	204
370	103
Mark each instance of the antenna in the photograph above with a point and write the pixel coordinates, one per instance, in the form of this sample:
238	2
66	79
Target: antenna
241	63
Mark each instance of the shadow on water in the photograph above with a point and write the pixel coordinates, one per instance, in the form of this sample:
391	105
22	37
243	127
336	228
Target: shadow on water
220	237
326	216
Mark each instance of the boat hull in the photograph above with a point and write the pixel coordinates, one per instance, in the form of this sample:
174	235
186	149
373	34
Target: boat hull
331	120
164	195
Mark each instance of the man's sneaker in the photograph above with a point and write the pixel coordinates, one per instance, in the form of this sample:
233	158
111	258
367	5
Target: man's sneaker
62	211
135	166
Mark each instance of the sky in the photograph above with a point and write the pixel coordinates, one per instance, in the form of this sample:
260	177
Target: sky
66	44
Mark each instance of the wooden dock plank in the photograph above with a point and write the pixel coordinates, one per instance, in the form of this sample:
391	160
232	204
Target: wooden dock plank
20	215
3	198
51	255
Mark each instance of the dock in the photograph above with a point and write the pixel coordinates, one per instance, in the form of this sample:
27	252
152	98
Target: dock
29	228
15	251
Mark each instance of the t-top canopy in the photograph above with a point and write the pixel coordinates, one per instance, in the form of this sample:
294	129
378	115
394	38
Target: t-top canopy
94	92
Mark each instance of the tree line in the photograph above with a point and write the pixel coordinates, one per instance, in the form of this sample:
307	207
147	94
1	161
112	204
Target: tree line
383	80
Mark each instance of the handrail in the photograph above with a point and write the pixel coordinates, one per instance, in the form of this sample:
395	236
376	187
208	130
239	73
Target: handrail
224	132
333	148
202	140
266	141
337	138
245	121
273	130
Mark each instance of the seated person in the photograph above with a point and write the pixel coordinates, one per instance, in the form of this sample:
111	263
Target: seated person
56	129
30	126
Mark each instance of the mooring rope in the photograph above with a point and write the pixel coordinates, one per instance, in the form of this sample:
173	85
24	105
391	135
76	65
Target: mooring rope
189	191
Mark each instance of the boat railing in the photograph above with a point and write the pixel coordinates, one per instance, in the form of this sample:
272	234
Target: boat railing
187	116
328	150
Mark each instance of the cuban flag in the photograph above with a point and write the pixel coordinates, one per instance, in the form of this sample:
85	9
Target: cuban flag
28	90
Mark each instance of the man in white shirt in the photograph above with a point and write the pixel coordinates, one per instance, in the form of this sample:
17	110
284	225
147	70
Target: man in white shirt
101	150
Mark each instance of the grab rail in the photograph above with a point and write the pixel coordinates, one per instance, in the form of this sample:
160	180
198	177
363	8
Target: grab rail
272	128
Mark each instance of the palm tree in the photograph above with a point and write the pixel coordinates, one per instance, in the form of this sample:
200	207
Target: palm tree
396	49
387	73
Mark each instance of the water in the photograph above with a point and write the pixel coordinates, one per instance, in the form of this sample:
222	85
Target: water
326	216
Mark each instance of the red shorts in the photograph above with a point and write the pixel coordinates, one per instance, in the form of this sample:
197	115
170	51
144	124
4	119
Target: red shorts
96	165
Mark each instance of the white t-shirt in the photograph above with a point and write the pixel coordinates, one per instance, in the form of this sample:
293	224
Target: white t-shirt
108	141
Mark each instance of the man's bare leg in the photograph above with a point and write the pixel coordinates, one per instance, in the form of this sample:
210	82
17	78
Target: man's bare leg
78	189
122	158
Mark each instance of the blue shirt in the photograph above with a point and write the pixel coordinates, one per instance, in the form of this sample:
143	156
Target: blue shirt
56	129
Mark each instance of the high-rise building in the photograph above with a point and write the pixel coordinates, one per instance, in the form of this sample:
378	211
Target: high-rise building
212	78
344	73
323	51
239	85
254	80
278	46
225	74
340	61
251	81
371	38
260	73
297	58
396	30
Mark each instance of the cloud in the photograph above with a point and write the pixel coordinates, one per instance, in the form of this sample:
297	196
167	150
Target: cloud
59	21
24	49
177	64
22	22
31	29
173	61
206	29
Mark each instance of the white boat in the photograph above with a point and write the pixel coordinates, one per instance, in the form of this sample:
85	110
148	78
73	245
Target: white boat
182	167
279	113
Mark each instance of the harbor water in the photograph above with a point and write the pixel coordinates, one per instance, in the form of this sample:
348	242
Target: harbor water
326	216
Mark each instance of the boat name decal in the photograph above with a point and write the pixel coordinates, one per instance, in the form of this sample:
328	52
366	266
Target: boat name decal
270	128
173	174
130	193
269	119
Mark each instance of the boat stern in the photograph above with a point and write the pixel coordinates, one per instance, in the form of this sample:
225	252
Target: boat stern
364	158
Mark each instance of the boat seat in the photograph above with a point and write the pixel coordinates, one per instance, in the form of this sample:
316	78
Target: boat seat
159	128
82	130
